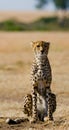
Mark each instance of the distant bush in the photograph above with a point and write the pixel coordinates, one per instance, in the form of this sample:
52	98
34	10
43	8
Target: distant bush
11	25
49	24
42	24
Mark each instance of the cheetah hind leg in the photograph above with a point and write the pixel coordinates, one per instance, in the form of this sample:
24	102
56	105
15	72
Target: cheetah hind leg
51	102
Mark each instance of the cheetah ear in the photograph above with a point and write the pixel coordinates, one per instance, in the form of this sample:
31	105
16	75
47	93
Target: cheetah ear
48	43
32	43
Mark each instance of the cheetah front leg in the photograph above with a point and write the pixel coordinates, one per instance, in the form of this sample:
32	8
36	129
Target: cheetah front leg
34	104
49	116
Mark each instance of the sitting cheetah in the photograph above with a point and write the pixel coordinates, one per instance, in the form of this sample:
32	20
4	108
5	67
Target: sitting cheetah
41	103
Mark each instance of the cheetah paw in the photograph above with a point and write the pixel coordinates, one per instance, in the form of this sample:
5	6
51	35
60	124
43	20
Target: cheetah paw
47	119
33	120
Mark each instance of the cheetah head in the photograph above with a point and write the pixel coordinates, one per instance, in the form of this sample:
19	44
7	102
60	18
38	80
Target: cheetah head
40	47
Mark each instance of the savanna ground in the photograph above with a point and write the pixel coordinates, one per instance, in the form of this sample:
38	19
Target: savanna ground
16	58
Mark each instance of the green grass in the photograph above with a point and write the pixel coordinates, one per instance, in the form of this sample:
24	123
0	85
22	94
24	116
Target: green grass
42	24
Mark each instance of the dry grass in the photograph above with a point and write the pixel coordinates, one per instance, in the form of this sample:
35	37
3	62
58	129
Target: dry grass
28	16
24	16
16	58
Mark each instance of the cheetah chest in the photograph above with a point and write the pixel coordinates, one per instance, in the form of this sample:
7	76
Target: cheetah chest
41	103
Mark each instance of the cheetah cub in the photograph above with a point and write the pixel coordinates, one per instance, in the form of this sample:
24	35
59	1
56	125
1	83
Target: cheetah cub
42	102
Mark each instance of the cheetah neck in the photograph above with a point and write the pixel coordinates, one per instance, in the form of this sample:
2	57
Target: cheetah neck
41	61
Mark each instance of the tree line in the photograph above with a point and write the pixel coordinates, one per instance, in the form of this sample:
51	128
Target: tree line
60	4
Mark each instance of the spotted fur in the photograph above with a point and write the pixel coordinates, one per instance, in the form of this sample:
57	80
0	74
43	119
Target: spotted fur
41	109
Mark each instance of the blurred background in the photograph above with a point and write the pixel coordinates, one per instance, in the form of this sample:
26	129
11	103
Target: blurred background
23	21
32	15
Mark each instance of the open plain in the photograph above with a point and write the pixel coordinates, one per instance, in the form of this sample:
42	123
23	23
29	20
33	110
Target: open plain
16	58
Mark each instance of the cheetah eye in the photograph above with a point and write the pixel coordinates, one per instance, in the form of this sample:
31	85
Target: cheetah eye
38	46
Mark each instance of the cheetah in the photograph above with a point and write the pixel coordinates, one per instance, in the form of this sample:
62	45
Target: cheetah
41	78
41	103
